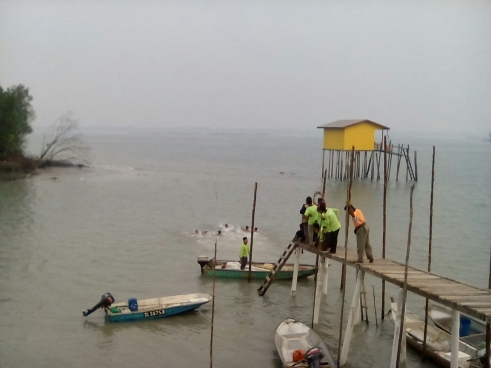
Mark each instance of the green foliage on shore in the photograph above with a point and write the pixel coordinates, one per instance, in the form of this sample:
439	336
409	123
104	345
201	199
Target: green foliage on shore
16	115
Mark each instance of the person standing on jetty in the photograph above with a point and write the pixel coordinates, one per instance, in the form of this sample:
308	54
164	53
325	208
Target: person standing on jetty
304	225
313	217
329	223
362	233
244	253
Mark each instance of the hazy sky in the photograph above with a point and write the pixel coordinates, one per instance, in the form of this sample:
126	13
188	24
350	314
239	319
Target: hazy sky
410	65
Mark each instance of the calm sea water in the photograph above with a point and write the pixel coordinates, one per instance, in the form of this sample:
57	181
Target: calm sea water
126	225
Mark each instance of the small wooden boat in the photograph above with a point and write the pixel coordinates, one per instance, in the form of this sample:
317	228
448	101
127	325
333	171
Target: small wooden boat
438	342
442	318
134	309
259	270
291	336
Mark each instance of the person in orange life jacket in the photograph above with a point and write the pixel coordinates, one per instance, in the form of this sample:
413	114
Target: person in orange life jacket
362	233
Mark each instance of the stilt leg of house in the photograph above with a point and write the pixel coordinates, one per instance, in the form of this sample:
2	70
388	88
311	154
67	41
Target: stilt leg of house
454	346
295	270
326	276
318	291
354	311
398	325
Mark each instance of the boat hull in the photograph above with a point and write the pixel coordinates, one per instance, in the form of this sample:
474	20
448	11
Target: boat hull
291	335
285	273
157	308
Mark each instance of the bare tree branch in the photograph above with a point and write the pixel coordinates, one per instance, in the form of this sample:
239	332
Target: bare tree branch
62	143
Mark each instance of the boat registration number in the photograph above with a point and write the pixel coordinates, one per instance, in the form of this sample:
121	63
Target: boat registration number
154	313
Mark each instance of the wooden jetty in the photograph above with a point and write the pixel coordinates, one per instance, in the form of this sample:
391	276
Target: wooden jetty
460	297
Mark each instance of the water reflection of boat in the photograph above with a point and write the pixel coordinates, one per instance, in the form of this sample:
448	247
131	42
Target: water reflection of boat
438	342
259	270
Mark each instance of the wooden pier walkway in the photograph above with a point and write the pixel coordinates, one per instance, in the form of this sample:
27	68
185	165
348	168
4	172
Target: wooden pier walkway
456	295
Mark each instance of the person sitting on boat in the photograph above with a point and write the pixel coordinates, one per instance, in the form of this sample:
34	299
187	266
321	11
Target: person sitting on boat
255	229
226	226
219	232
244	253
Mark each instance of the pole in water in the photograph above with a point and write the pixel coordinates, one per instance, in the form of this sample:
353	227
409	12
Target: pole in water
404	294
386	178
252	231
343	277
425	334
213	309
375	306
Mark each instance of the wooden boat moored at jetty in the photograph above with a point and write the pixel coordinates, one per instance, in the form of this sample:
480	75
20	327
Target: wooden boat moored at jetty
291	336
134	309
442	318
438	342
259	270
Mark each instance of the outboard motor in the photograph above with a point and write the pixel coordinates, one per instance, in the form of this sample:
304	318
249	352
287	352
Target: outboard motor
314	356
106	300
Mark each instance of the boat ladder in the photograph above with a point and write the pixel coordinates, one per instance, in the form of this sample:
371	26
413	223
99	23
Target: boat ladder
276	268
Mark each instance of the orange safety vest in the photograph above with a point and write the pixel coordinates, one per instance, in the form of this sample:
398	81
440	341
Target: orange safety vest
358	219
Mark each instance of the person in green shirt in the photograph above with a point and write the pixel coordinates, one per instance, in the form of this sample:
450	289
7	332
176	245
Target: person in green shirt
244	253
330	223
312	216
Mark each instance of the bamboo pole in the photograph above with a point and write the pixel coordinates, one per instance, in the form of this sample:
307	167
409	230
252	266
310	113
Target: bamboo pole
429	249
252	231
384	227
324	188
488	327
343	277
374	306
213	309
323	156
404	292
315	286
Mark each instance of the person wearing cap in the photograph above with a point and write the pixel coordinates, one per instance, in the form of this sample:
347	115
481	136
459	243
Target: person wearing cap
244	253
362	233
312	217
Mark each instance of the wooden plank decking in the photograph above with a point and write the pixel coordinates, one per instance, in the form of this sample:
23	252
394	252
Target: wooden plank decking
456	295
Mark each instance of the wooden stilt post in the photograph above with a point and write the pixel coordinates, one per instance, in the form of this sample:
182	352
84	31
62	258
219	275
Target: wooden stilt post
404	294
399	153
252	230
316	280
398	326
326	276
318	291
355	305
384	227
425	334
323	156
454	339
374	306
415	166
212	311
343	277
407	162
488	326
295	270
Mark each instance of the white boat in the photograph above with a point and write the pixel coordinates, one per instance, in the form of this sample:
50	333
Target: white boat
292	335
442	318
438	342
